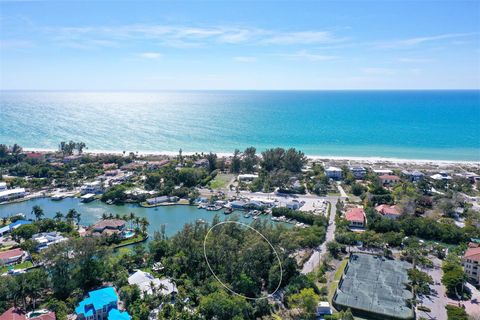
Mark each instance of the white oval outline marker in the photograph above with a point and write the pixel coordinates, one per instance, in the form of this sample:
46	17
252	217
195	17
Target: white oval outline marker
223	284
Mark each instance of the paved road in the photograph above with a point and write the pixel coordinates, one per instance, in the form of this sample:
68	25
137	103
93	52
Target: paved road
315	259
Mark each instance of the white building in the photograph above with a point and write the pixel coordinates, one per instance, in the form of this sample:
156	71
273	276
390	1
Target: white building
3	186
358	172
382	171
148	283
247	177
323	308
46	239
94	187
10	194
334	173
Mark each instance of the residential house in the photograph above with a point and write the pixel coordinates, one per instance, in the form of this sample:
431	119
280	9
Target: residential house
10	194
154	165
471	264
46	239
12	256
148	283
356	218
413	176
3	186
389	179
95	187
334	173
161	199
201	163
12	226
358	172
18	314
107	227
98	306
35	156
116	314
388	211
442	175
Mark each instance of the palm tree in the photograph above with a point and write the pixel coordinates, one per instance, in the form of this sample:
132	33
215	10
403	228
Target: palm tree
4	220
144	223
71	214
104	216
37	211
131	217
78	217
58	216
137	222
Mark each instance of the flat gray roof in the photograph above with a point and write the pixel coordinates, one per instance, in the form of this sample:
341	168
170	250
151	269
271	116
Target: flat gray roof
375	284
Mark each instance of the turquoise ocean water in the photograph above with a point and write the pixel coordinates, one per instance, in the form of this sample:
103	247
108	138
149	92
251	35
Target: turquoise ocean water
399	124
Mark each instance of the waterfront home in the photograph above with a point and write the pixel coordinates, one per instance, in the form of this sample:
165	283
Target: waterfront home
358	172
389	179
247	177
35	156
154	165
98	304
161	199
95	187
334	173
46	239
12	226
238	205
388	211
88	197
12	256
11	194
148	283
380	172
3	186
356	218
107	227
18	314
471	264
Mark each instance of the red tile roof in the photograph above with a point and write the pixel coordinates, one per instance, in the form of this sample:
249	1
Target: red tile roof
46	316
13	314
355	214
472	254
11	254
388	210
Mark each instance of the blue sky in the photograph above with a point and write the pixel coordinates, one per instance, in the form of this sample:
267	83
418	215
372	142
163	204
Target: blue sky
239	45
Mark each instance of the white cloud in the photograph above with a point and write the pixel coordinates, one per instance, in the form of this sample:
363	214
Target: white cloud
307	56
187	36
245	59
150	55
419	40
414	60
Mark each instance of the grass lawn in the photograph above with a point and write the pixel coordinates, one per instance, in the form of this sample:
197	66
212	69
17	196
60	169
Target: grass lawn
338	274
23	265
221	181
137	238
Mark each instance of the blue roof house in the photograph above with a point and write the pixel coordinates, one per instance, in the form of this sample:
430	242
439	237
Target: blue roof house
12	226
99	305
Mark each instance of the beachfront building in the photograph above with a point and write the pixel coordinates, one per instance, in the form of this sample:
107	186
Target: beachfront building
358	172
148	284
471	264
334	173
442	175
12	256
11	194
413	176
107	227
99	305
3	186
201	163
95	187
374	287
12	226
392	212
356	218
389	179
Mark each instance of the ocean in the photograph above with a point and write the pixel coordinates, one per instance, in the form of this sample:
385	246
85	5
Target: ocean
436	125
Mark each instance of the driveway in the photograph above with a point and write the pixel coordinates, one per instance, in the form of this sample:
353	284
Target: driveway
315	259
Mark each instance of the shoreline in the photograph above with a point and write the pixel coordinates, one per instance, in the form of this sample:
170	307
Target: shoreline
368	159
